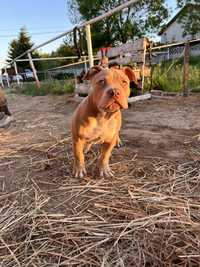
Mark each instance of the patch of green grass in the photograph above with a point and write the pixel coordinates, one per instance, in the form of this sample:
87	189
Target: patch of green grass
168	76
54	87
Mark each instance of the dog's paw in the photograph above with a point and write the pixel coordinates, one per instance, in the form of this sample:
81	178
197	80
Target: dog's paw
6	121
106	172
119	143
80	172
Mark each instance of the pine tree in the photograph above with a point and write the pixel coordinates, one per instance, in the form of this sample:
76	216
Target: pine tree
19	46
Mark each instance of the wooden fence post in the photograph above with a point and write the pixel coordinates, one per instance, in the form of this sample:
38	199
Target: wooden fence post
144	62
186	69
34	70
16	72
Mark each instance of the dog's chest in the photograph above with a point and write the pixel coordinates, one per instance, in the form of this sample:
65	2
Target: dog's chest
100	130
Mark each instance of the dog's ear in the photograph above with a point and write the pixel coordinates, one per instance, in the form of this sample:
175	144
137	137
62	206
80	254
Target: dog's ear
92	72
130	73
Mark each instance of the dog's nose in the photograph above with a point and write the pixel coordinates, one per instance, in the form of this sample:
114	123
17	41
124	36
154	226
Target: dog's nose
113	92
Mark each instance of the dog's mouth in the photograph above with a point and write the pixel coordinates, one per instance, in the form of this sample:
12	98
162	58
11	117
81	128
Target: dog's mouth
113	106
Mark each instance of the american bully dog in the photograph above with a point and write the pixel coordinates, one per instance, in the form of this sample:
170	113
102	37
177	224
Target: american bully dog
4	111
3	104
97	119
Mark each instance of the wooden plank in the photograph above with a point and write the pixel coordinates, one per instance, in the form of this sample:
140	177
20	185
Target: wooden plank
162	97
137	58
130	47
139	98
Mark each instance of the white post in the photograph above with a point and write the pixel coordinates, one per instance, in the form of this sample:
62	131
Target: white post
34	70
84	58
89	45
7	77
16	72
143	64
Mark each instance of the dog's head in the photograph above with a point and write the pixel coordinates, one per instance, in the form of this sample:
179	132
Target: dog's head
110	87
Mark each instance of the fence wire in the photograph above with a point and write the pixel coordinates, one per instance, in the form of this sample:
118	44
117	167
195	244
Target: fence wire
168	65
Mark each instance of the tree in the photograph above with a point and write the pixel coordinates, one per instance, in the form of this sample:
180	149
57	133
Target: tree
64	50
135	21
19	46
190	16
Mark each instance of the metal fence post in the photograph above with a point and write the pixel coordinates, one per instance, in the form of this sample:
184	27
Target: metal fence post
16	72
89	45
186	69
34	70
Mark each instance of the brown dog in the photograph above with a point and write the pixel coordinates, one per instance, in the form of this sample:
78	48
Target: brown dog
98	118
3	104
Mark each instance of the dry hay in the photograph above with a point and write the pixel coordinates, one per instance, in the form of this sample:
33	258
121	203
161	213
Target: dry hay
148	215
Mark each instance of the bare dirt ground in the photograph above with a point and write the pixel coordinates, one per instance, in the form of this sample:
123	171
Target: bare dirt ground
147	215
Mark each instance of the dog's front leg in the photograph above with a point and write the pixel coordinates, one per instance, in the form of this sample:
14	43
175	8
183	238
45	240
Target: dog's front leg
79	162
106	149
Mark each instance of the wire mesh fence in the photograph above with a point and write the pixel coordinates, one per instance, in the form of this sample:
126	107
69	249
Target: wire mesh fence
168	69
166	66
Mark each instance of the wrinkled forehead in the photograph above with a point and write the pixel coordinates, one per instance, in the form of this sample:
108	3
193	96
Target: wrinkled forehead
111	75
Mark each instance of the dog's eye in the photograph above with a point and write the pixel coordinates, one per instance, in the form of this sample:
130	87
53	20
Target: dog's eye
125	82
101	81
